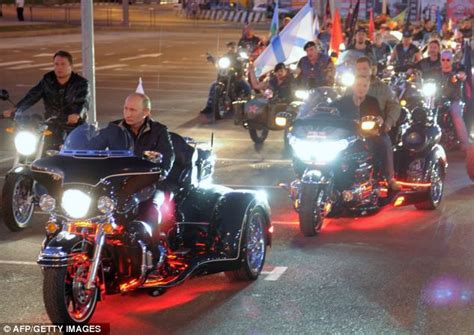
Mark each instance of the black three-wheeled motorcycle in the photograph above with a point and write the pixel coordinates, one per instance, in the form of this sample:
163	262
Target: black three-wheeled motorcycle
338	174
96	245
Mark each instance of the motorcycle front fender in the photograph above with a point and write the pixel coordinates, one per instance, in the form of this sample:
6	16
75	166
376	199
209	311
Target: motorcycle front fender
57	250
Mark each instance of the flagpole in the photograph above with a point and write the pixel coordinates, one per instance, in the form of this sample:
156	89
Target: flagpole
384	7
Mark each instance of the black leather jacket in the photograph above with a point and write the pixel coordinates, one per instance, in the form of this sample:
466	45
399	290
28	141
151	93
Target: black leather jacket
153	136
59	100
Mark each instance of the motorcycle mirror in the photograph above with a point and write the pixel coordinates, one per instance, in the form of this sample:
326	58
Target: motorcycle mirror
4	95
153	156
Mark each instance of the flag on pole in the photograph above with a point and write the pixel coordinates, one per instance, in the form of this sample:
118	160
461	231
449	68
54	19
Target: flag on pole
468	94
275	22
439	20
288	46
400	18
371	26
316	27
140	87
353	24
336	34
327	14
347	23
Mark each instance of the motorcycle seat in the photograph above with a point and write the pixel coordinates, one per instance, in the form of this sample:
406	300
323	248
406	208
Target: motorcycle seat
184	163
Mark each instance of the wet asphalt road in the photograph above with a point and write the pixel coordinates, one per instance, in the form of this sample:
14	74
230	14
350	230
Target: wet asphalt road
401	271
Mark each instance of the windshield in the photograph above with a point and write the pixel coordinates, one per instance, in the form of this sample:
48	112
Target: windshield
319	101
349	58
88	140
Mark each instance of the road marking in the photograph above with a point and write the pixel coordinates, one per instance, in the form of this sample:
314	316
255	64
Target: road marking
107	67
7	159
141	56
110	54
253	186
18	263
16	62
255	160
44	55
275	274
30	66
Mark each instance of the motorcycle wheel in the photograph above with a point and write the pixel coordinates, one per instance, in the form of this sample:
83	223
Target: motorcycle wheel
65	297
470	161
258	136
436	189
253	248
310	209
17	202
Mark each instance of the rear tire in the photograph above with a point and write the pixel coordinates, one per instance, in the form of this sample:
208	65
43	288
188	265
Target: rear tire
310	209
253	249
17	202
258	136
436	189
470	161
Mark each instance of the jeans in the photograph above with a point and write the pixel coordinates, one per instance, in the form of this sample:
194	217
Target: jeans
241	88
382	148
456	110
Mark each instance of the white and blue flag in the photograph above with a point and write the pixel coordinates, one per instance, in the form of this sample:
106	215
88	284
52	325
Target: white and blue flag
288	46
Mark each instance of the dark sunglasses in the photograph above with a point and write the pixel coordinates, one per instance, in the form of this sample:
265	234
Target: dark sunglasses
445	59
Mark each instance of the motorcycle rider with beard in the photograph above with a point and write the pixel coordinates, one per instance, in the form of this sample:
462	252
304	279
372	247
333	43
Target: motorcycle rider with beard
431	65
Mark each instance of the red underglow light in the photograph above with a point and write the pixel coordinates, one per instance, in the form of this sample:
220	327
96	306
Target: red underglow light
407	184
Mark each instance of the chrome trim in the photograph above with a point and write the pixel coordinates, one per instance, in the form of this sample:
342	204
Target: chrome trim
144	267
99	242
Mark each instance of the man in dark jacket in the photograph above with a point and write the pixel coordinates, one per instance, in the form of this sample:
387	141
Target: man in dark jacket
315	69
147	135
359	104
65	94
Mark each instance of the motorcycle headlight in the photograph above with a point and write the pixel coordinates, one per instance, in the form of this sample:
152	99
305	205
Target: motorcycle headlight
47	203
368	125
414	138
76	203
26	142
301	94
347	79
243	55
224	63
429	89
280	121
321	152
105	205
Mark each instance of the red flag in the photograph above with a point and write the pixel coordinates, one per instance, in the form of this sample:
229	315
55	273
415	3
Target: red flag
371	26
336	34
347	24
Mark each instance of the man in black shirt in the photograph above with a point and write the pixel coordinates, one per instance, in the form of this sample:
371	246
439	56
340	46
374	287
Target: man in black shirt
281	82
430	65
363	45
405	52
359	104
